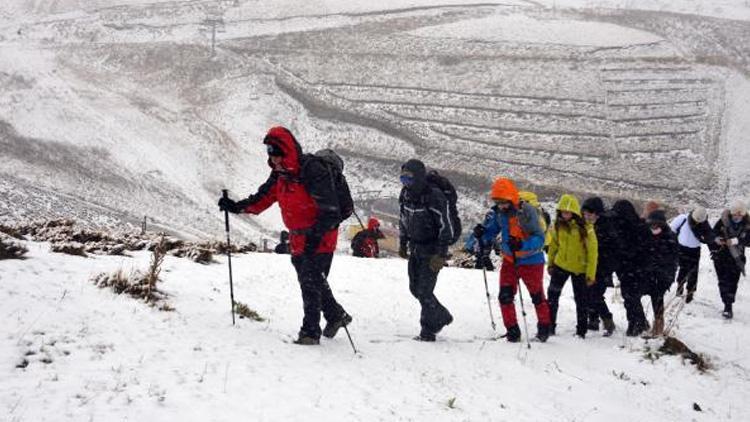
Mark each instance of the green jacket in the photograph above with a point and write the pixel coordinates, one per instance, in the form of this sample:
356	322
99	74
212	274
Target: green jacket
565	247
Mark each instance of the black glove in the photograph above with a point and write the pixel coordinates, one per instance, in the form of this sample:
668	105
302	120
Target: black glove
402	252
478	231
484	262
515	244
226	204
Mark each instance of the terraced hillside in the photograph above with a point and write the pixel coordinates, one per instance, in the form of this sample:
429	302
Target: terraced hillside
639	121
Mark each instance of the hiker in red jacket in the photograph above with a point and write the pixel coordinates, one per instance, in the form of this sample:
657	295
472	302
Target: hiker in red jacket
310	209
365	243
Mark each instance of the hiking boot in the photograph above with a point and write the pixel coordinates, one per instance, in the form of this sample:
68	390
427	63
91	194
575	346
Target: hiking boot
636	329
513	334
446	323
689	297
552	328
332	328
581	334
306	340
727	314
542	332
593	324
425	336
609	326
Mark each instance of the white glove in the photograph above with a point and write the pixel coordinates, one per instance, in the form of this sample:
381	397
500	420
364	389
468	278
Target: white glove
733	241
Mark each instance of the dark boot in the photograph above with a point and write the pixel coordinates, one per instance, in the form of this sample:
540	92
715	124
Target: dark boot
593	324
542	332
727	314
513	334
552	328
425	336
445	323
580	333
680	289
332	328
307	340
609	326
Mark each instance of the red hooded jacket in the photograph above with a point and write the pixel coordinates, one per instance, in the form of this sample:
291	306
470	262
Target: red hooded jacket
308	203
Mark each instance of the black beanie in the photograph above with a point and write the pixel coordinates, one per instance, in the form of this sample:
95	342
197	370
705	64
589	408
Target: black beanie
657	217
594	205
416	168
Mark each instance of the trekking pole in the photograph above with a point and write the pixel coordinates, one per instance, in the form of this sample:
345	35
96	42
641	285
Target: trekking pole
346	330
358	219
523	312
489	305
225	194
523	308
325	277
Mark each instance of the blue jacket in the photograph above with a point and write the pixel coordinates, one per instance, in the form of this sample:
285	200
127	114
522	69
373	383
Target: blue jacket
498	223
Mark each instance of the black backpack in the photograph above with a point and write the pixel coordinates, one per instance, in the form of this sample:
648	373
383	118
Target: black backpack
335	165
434	179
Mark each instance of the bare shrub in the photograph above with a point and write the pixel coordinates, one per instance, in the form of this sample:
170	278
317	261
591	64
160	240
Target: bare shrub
245	312
69	248
11	250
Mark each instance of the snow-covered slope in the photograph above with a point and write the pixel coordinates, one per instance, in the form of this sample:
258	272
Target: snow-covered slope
121	108
93	355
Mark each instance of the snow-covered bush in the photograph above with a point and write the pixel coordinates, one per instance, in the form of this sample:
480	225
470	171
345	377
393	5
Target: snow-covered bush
70	248
10	249
141	285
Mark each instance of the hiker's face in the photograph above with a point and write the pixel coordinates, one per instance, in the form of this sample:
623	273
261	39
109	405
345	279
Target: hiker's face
276	161
567	215
503	204
590	217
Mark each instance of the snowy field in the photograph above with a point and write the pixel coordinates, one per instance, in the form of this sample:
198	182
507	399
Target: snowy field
93	355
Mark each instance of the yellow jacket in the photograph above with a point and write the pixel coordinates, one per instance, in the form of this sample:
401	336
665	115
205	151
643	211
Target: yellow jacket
566	248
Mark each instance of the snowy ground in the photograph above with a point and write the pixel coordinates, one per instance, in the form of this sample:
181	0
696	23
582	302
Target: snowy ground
96	356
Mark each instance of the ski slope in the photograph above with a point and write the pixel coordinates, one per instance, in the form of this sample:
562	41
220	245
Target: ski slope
93	355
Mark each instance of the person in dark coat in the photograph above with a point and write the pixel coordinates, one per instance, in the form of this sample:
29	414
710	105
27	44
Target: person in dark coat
663	253
609	249
283	246
728	252
692	229
634	234
309	205
365	243
425	232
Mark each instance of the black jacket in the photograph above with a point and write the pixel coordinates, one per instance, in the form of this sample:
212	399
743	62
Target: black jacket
610	243
424	222
727	230
663	253
633	233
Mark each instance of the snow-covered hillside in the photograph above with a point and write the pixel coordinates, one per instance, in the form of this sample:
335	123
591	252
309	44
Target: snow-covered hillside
120	109
92	355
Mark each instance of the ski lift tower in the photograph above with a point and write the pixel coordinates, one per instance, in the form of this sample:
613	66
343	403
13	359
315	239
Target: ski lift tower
214	22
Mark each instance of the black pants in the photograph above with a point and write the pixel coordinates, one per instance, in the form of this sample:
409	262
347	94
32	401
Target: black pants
422	282
631	286
580	295
312	273
657	286
597	303
689	259
728	273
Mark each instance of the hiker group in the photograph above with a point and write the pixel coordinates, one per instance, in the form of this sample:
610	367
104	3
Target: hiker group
585	243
